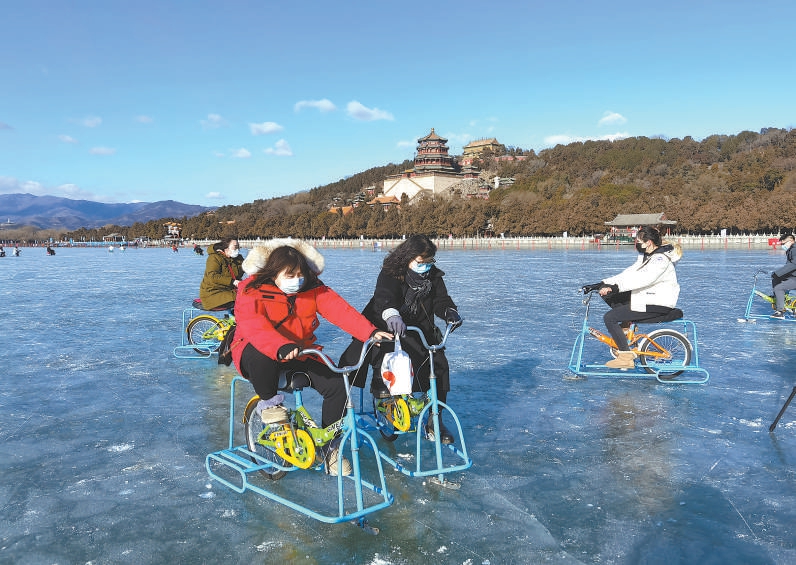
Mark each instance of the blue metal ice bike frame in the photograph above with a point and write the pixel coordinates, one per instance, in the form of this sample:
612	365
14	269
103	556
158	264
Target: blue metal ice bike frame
456	452
666	371
203	321
351	504
790	303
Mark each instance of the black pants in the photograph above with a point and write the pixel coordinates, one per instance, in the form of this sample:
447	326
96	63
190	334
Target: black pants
263	373
620	313
420	364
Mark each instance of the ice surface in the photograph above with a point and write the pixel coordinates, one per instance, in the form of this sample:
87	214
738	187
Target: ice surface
103	433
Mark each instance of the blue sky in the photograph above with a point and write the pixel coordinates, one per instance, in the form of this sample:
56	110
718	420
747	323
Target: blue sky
227	102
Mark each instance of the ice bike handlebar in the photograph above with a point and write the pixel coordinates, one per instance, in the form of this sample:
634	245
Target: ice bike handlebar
329	363
448	330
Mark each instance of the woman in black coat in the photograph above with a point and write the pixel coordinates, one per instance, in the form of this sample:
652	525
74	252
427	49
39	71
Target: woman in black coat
410	291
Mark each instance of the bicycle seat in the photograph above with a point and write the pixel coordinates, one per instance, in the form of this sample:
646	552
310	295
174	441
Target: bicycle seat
291	379
670	316
197	303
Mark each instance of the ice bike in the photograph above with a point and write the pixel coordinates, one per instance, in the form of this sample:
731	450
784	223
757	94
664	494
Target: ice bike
759	298
203	330
406	414
669	353
275	450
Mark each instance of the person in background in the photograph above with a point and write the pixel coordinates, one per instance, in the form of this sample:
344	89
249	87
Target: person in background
223	273
644	291
277	314
784	278
410	291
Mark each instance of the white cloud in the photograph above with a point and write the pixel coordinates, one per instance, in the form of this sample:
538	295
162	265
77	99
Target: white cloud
10	185
241	153
102	151
67	139
564	139
404	144
265	128
144	119
611	118
214	121
322	105
280	149
90	122
362	113
214	196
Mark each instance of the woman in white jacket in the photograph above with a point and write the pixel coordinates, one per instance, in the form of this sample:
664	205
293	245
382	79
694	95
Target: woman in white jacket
644	292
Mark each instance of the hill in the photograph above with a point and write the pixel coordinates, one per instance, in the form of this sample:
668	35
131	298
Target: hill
52	212
744	183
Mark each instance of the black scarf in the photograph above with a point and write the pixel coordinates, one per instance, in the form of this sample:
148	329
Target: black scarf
419	287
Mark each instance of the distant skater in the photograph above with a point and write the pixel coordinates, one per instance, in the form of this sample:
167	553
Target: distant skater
50	250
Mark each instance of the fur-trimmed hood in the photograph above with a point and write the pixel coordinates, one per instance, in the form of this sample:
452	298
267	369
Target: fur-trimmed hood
258	256
674	251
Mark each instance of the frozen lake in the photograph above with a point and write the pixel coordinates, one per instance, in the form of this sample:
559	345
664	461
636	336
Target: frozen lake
103	433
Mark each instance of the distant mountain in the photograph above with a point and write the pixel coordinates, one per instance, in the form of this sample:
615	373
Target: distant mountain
53	212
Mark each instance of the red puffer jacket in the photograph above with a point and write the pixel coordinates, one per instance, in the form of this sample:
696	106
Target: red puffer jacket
268	318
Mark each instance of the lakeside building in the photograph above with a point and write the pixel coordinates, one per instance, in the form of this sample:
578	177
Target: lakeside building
625	226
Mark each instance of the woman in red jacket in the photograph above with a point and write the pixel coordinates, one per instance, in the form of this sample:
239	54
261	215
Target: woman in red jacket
276	313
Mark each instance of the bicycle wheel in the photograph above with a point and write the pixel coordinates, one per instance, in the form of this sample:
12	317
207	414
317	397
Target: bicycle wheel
203	330
391	414
672	341
253	426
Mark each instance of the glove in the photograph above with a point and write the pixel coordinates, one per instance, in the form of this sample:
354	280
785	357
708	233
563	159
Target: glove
452	317
587	288
395	324
286	350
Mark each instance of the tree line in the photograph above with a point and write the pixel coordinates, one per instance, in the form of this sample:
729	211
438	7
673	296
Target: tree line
744	183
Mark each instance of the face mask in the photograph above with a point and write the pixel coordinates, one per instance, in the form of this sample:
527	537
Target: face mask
421	268
234	253
640	249
291	286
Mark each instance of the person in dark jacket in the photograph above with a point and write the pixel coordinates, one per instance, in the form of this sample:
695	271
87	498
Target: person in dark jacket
410	291
223	273
784	278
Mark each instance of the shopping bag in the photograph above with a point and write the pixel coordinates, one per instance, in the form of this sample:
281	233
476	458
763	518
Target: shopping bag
396	371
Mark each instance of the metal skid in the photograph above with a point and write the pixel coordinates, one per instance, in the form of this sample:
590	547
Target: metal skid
432	458
237	468
582	364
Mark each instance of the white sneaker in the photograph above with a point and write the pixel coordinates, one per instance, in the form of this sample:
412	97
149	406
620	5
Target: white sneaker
331	463
274	415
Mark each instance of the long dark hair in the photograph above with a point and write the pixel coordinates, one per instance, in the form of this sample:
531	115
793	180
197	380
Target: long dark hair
648	233
223	244
396	263
282	258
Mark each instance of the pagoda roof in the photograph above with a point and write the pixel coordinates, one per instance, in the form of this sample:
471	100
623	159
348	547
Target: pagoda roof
480	142
385	200
640	220
432	137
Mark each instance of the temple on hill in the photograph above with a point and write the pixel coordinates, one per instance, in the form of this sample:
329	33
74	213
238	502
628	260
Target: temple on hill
435	171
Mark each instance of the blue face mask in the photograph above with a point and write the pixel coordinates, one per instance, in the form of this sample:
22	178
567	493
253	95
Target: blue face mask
291	286
421	268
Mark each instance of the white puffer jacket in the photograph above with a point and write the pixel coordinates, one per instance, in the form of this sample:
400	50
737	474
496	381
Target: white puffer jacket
651	280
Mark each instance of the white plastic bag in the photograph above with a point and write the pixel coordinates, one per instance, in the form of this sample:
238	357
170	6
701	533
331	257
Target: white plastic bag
396	371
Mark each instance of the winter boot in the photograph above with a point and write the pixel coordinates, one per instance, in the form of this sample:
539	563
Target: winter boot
377	387
624	360
444	434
